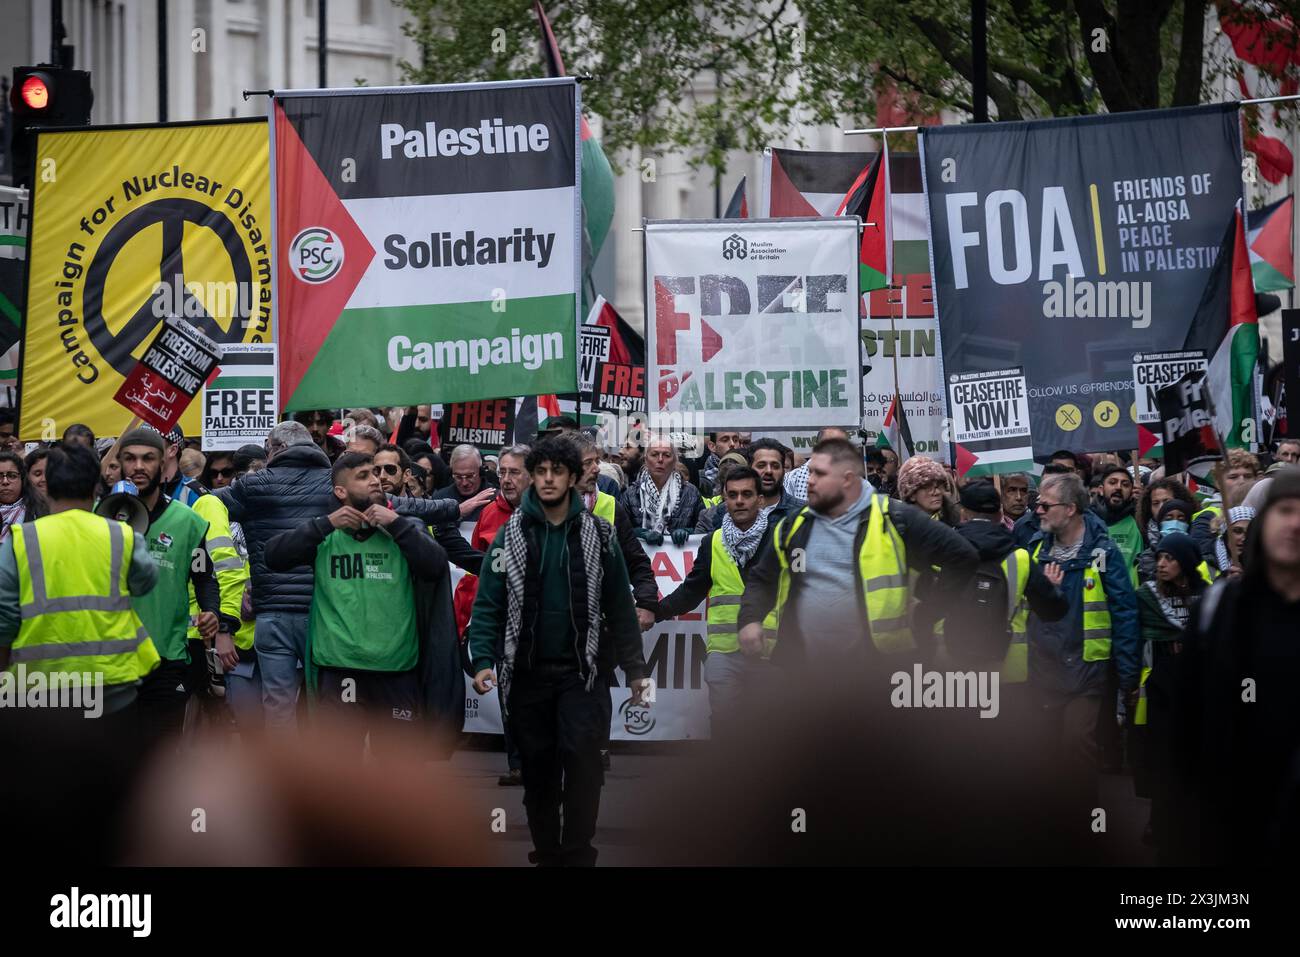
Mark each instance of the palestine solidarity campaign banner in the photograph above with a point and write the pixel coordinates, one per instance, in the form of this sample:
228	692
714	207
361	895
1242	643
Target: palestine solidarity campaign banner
137	225
753	323
428	242
1067	246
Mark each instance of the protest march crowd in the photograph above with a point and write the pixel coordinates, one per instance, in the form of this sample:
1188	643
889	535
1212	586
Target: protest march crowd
1117	612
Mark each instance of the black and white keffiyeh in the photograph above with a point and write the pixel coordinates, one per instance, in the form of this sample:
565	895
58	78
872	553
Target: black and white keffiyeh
593	540
658	505
742	545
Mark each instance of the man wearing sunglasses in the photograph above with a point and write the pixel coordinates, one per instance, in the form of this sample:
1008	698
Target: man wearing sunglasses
1069	659
393	467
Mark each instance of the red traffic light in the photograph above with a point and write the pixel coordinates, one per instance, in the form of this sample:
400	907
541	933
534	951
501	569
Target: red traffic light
35	92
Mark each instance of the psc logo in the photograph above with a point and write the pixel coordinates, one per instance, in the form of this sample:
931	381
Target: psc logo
637	720
735	247
316	255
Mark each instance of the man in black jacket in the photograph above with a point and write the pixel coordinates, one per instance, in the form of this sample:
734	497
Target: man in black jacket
294	487
392	466
370	565
981	513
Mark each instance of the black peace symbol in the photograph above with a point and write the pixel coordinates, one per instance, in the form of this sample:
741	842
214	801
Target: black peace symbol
172	214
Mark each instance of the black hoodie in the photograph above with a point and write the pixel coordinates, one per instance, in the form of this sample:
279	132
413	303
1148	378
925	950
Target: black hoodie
994	542
1235	760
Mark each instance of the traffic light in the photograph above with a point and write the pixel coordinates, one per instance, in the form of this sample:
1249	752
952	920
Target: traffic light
44	96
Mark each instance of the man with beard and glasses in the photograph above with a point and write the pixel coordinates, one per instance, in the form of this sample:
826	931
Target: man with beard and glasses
392	466
554	616
177	541
370	564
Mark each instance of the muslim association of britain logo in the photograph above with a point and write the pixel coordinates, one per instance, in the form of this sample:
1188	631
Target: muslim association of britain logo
735	247
316	255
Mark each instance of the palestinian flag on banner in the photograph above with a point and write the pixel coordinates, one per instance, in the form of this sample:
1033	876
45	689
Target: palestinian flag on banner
868	198
597	176
738	208
1227	328
814	183
896	435
13	258
1268	237
626	347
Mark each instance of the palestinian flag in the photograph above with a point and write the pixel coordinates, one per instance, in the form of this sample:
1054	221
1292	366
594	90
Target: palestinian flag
626	346
896	435
738	208
597	176
868	198
1268	237
1227	328
814	183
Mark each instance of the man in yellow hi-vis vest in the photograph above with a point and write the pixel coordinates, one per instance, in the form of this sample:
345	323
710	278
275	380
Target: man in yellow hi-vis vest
1069	658
718	573
66	584
837	575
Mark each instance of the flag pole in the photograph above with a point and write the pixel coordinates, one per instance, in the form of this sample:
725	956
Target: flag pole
889	277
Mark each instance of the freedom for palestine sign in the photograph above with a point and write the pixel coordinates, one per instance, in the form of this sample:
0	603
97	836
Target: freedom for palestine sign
429	241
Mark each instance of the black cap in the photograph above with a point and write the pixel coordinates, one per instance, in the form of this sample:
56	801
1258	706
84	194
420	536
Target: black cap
246	455
981	497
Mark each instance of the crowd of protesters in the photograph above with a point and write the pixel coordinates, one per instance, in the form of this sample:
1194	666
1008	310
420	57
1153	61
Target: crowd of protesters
1134	620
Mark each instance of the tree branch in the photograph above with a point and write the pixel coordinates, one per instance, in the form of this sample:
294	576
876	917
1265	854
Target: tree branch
959	58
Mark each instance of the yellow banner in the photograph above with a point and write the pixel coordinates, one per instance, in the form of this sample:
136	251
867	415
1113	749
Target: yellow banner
128	227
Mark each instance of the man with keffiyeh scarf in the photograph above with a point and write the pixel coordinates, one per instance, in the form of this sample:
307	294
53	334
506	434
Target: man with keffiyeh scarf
553	615
719	573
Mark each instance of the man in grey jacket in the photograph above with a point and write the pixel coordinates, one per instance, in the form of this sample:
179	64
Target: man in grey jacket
293	488
825	624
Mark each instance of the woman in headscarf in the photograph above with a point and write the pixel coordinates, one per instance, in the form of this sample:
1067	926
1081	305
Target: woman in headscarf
925	483
1227	547
1174	515
1166	602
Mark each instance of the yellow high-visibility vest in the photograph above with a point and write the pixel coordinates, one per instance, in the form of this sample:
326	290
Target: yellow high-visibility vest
75	601
725	593
882	566
1096	614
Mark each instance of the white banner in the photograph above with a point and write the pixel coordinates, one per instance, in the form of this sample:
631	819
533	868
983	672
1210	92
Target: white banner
240	406
674	651
753	322
1152	371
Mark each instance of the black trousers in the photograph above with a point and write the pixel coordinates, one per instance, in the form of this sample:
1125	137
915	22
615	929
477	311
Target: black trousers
386	701
160	704
559	728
